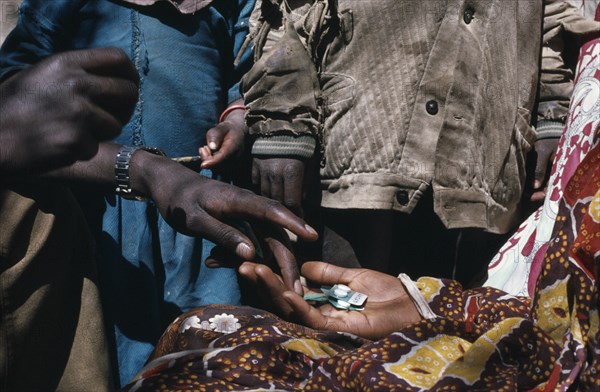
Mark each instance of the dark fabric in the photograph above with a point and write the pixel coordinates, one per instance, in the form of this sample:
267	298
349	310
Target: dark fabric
480	339
413	96
417	244
52	334
149	272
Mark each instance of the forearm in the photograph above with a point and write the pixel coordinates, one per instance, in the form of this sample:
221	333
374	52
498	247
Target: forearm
100	170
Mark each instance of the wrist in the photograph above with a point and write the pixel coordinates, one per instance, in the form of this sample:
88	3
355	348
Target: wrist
235	111
420	303
145	170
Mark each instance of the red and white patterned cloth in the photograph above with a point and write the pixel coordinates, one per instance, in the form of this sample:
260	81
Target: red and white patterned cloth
517	265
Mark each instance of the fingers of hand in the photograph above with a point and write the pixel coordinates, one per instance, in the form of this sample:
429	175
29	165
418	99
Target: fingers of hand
293	191
204	225
248	271
215	136
306	314
255	174
287	263
270	284
205	155
221	257
115	95
545	149
540	171
103	126
539	196
104	62
327	274
233	202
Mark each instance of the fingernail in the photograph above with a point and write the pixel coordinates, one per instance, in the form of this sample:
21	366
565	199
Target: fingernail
212	145
298	287
311	230
244	250
537	184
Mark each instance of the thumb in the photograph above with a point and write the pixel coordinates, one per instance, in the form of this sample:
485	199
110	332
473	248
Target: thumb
304	313
214	137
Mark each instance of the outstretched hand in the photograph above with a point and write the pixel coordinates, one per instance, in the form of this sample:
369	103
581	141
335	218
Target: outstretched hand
198	206
387	309
276	251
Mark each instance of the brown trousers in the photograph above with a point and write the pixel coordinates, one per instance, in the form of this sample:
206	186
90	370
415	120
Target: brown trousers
52	335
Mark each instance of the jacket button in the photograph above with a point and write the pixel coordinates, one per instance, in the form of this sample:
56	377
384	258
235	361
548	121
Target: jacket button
432	107
468	15
402	197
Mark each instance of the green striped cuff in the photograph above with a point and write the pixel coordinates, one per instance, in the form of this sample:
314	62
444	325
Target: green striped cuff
285	146
549	129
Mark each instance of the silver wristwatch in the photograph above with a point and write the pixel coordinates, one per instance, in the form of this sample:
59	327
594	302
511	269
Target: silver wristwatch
122	162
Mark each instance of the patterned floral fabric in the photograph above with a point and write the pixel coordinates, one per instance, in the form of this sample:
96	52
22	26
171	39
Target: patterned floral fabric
517	265
482	339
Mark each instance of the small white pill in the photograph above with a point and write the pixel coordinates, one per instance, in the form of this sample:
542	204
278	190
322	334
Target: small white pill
343	303
340	292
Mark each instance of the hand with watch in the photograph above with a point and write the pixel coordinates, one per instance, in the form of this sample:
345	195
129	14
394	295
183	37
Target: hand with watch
122	162
198	206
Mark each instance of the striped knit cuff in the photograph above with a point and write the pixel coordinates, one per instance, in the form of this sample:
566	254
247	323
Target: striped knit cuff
285	146
549	129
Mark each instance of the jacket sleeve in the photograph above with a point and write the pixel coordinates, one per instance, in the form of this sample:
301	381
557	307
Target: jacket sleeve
556	79
42	29
282	91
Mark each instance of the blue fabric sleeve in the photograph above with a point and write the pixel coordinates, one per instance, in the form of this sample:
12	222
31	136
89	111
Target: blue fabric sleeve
42	30
241	27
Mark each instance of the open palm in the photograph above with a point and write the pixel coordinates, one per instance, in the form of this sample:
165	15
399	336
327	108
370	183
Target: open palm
387	309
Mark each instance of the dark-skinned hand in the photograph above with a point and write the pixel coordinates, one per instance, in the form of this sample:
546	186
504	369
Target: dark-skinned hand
198	206
225	142
276	252
55	112
281	179
387	309
545	150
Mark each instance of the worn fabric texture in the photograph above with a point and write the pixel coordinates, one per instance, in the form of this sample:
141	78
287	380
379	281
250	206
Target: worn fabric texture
517	265
402	97
480	339
149	273
50	311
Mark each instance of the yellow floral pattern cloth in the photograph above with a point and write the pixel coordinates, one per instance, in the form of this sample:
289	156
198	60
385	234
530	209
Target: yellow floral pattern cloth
482	339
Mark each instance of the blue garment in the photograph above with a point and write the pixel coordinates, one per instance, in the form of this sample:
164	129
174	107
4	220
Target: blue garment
148	272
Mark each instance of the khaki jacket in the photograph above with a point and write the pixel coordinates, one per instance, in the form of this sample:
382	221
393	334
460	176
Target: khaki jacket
403	96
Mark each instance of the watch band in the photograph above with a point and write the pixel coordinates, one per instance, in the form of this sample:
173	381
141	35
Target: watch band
122	163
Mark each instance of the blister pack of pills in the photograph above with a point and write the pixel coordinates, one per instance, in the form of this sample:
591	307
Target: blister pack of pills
340	296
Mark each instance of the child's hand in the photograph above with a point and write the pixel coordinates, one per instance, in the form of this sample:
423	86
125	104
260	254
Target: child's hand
225	140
